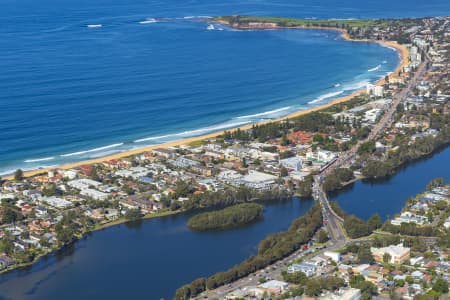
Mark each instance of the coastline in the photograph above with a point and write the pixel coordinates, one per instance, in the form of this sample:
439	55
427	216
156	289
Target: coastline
404	57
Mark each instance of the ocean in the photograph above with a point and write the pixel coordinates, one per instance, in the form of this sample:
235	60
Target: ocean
84	79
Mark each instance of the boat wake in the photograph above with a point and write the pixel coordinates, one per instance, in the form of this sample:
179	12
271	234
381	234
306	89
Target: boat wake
148	21
94	25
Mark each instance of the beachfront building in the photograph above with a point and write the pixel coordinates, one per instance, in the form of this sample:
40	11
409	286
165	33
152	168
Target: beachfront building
375	90
398	254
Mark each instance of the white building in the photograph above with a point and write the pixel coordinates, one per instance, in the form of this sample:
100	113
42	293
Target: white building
94	194
84	183
409	217
257	180
398	254
308	269
335	256
375	90
292	163
56	202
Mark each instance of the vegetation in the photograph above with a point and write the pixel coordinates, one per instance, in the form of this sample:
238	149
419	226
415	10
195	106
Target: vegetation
405	153
133	214
368	289
271	249
356	227
18	175
336	178
229	217
229	197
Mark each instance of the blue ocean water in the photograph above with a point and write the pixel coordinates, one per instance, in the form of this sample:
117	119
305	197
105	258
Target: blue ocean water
70	91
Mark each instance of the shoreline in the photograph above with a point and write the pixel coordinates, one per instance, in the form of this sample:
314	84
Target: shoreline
103	226
404	60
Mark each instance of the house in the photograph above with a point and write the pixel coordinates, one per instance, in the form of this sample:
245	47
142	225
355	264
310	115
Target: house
163	152
5	261
408	217
398	254
205	171
274	286
300	138
308	269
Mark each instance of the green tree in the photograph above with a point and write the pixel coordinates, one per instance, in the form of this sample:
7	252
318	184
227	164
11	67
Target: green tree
440	286
133	214
386	257
18	175
374	222
313	288
364	254
284	172
322	236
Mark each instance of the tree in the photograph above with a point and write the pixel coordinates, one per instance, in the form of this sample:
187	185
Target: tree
437	182
386	257
441	286
18	175
313	288
284	172
133	214
10	214
49	189
322	236
375	221
364	254
367	147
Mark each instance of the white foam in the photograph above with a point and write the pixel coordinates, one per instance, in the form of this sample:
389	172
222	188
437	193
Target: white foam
194	132
357	85
389	47
271	112
39	159
325	96
197	17
374	69
92	150
94	25
148	21
337	85
384	61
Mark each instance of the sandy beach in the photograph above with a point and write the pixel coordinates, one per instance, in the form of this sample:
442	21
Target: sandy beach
404	55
